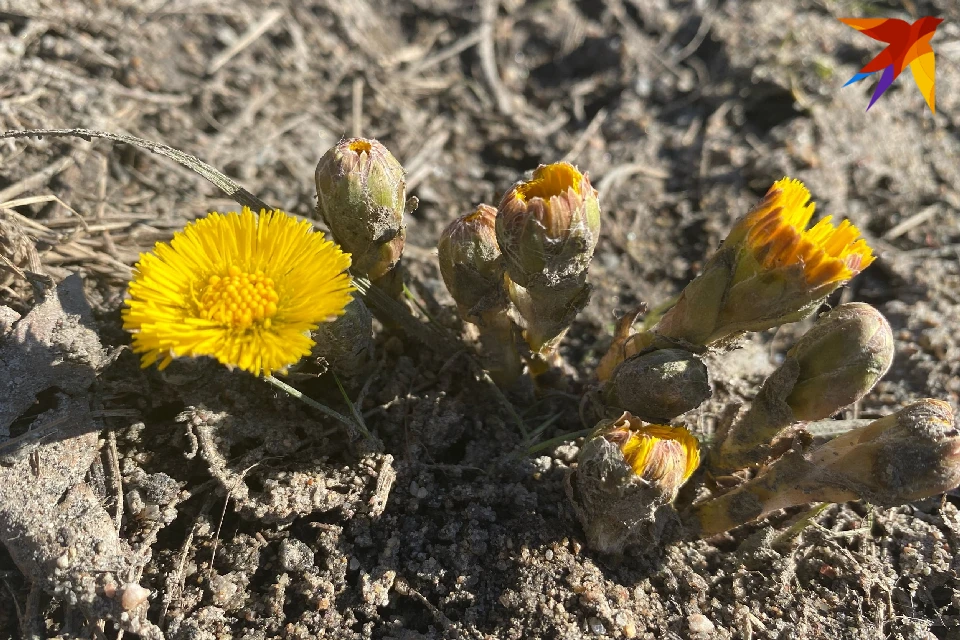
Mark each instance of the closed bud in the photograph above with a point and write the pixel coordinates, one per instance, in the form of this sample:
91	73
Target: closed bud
627	475
470	262
346	343
548	226
471	267
658	385
910	455
361	196
834	364
769	271
840	359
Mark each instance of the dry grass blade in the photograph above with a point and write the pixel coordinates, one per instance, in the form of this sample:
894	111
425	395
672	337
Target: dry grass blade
201	168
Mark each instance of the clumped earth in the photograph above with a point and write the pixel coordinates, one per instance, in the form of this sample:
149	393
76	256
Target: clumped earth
246	514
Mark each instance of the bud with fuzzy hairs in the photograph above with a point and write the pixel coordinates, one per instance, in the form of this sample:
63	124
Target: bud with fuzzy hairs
658	385
907	456
361	196
547	229
770	270
472	270
627	475
834	364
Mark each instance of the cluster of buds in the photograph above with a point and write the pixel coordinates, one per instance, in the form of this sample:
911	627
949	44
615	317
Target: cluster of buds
518	274
628	473
769	271
520	270
361	196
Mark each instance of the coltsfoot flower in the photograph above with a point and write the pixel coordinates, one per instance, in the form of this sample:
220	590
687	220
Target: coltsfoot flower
547	229
361	195
549	225
770	270
627	473
245	289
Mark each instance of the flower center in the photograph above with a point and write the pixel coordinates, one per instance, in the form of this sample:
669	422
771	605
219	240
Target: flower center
239	299
550	180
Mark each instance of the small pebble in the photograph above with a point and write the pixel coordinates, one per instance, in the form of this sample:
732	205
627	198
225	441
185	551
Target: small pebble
699	623
596	626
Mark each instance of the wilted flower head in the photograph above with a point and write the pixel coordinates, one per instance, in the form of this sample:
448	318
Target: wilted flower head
361	195
470	260
548	226
770	270
243	288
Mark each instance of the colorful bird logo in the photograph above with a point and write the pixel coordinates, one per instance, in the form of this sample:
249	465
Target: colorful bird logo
908	44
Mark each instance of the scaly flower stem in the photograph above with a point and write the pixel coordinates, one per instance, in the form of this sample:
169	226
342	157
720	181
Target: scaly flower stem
356	428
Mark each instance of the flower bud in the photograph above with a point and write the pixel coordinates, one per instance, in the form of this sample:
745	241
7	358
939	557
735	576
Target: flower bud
470	262
840	359
471	267
627	473
361	196
548	226
347	342
658	385
910	455
770	270
837	362
547	229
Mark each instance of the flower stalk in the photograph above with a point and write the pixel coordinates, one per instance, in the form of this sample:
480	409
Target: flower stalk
907	456
837	362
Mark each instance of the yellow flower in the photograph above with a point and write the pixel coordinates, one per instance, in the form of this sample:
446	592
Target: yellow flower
778	237
663	455
770	270
242	288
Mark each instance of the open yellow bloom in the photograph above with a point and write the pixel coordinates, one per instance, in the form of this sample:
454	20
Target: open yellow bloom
242	288
770	270
778	237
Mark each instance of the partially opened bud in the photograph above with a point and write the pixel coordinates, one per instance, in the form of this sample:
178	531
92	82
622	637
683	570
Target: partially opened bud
907	456
470	262
361	196
658	385
627	473
770	270
548	226
471	267
547	229
834	364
